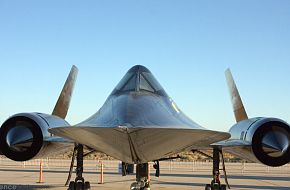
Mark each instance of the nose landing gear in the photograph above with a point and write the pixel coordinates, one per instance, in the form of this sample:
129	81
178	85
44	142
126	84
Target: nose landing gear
142	181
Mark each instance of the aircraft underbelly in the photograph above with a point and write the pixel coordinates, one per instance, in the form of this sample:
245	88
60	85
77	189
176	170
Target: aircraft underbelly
140	145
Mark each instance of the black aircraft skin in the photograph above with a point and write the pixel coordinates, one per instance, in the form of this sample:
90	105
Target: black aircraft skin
140	123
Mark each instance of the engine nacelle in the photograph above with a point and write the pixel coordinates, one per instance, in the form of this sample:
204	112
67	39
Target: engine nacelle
268	140
24	136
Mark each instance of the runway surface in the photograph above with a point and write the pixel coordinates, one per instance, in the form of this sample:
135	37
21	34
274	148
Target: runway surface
182	176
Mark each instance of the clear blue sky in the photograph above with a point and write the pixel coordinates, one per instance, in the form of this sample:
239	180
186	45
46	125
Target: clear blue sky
186	44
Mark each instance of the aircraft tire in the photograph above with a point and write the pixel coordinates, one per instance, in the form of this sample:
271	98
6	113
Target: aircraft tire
207	187
71	185
216	186
87	185
133	186
79	186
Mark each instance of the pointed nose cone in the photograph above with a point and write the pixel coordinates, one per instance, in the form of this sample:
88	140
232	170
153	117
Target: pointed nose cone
275	143
138	68
139	79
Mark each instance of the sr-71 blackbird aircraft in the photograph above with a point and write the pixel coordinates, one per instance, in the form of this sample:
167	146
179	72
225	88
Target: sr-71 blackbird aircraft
140	123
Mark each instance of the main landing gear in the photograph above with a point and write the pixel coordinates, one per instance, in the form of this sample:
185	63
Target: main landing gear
79	182
142	181
216	183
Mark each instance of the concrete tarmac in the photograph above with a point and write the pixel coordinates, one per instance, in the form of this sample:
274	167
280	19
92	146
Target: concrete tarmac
13	176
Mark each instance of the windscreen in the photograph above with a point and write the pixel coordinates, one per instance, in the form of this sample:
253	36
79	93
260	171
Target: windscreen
140	79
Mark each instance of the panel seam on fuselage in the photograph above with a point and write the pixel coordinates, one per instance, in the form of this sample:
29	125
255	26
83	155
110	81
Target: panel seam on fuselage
134	155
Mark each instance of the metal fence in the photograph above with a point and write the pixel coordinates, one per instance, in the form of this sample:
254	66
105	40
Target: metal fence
168	166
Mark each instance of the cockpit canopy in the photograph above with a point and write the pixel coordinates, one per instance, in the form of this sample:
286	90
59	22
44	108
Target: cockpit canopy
138	79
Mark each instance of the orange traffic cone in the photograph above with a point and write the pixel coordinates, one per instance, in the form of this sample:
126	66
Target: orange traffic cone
40	172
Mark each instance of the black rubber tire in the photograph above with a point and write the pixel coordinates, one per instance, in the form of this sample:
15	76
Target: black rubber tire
216	186
207	187
71	185
132	187
79	186
223	187
87	185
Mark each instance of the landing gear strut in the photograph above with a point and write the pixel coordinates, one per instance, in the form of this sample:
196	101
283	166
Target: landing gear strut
79	182
142	181
216	183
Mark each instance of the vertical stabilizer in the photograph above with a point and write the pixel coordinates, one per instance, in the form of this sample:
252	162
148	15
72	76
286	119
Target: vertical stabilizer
238	107
63	102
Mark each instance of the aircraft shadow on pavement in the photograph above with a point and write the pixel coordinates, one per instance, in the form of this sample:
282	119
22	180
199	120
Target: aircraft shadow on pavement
232	186
279	178
159	181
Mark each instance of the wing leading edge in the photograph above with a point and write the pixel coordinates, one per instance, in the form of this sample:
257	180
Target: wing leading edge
140	145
